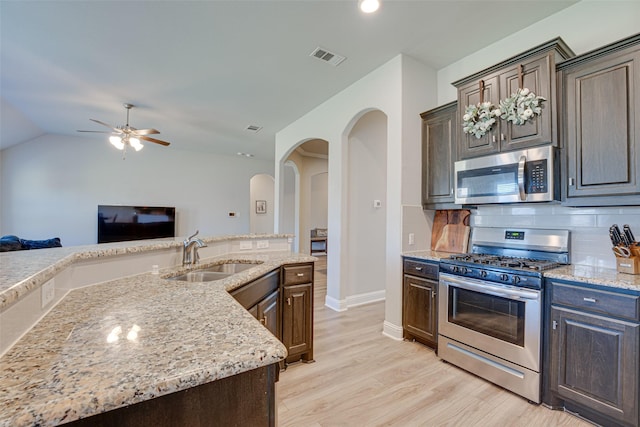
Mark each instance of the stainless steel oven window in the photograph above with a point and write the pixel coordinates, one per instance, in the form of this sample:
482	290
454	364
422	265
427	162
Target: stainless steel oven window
499	317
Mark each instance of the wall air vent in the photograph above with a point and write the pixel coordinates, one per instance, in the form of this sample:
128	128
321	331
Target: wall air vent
253	128
326	56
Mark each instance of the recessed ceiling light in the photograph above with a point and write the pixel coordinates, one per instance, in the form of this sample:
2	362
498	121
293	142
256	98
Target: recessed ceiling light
244	154
369	6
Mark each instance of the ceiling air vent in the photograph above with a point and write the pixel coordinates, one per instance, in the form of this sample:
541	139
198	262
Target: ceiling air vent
326	56
253	128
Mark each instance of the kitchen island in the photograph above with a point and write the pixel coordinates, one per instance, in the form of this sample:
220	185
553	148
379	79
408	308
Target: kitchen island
134	339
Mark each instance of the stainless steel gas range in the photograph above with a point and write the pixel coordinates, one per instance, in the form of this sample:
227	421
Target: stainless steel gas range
490	305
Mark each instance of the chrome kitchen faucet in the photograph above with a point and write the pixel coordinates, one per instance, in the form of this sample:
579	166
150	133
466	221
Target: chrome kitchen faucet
190	248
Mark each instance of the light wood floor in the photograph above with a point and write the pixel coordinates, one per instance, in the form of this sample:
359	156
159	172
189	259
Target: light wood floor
362	378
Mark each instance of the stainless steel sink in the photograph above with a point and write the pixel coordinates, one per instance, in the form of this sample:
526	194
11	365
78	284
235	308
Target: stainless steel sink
230	268
200	276
212	273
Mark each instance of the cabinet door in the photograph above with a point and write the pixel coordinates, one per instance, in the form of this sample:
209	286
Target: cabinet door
419	312
297	315
594	363
439	130
468	145
537	131
602	126
268	313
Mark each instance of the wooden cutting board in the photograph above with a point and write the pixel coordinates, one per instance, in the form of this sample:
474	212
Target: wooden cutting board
450	231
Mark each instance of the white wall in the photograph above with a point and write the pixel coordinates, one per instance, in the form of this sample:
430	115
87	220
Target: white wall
51	186
366	226
332	121
319	199
290	181
261	188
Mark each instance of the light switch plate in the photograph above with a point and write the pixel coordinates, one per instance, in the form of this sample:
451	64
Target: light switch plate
262	244
246	245
412	239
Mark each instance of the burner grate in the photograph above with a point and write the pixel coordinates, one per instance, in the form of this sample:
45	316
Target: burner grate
506	261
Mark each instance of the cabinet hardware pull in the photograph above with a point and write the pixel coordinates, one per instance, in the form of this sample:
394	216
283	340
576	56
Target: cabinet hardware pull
300	274
554	325
589	299
264	321
502	137
493	138
289	301
433	294
419	268
572	182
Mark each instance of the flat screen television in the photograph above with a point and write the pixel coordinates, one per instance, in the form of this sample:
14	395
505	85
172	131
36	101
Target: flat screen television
124	223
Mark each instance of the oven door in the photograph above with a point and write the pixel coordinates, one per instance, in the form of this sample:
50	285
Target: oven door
501	320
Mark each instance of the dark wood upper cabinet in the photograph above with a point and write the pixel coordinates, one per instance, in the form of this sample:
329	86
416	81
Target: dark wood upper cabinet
537	67
601	125
439	131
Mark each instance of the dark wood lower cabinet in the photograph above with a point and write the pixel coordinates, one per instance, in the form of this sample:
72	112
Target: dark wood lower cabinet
419	311
420	301
594	357
246	399
268	312
297	333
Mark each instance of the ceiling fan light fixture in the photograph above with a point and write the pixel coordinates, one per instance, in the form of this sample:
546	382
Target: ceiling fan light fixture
369	6
116	141
135	143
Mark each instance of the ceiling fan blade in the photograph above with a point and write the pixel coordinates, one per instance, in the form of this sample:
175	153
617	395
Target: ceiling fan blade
115	129
157	141
145	131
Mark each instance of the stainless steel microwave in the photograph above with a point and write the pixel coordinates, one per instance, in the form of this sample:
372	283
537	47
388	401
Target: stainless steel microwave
514	177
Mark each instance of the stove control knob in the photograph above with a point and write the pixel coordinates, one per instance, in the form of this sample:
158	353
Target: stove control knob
483	273
464	270
504	277
516	280
455	268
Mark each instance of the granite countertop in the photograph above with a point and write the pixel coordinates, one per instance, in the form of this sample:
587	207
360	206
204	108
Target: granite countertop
22	271
578	273
132	339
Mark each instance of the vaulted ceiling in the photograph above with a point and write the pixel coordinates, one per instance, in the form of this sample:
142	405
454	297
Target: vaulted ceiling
202	71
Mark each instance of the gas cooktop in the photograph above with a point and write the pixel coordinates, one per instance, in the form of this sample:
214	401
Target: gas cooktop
506	261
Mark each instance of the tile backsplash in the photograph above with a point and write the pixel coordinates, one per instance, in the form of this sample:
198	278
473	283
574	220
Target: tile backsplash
590	244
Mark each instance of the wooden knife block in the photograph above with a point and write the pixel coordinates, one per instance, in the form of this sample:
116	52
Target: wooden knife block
629	265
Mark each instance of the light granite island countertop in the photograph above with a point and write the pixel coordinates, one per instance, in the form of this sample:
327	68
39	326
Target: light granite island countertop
132	339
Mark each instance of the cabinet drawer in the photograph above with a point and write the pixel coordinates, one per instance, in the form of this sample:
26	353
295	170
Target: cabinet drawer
253	292
421	269
598	301
296	274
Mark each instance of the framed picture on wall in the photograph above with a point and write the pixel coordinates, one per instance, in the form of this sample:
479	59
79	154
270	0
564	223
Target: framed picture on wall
261	206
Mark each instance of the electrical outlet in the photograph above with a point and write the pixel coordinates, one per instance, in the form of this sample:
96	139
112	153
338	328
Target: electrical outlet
48	293
377	203
246	245
412	239
262	244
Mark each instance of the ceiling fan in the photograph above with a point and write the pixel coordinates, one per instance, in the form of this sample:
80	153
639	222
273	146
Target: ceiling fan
123	136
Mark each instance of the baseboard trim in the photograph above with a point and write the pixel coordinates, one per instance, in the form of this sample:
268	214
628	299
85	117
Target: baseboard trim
392	331
335	304
367	298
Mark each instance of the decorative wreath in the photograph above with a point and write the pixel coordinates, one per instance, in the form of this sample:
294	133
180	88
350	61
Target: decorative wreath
520	106
478	119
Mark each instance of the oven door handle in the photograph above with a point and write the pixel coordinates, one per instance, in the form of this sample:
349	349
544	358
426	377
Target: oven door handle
487	288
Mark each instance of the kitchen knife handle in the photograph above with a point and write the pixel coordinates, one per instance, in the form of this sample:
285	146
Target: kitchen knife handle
629	234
